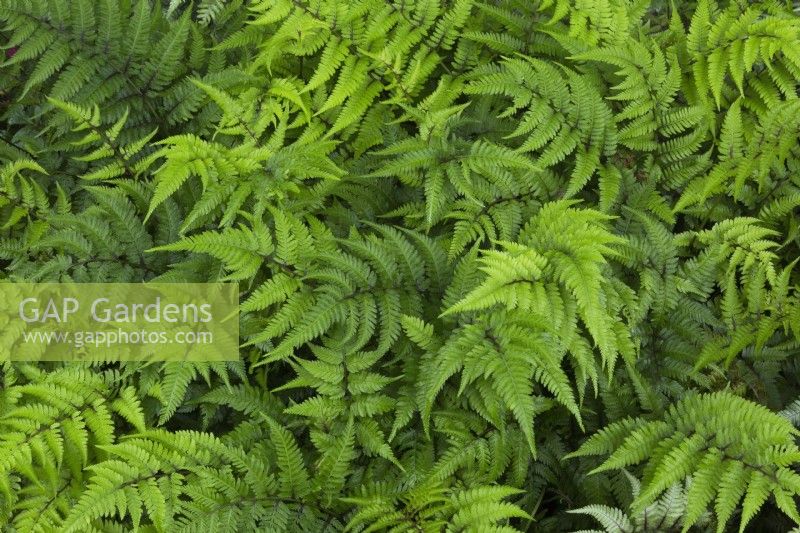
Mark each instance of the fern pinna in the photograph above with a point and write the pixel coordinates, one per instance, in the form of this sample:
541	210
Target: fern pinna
504	266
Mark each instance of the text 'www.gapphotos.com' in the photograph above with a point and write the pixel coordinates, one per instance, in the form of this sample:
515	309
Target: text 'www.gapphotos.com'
79	339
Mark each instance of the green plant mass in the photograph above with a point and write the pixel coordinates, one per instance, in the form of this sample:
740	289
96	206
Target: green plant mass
503	265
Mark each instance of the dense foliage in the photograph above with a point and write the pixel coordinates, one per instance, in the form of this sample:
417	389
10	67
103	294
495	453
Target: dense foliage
505	265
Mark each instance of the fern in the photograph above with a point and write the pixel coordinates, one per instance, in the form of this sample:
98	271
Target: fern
732	448
663	515
472	240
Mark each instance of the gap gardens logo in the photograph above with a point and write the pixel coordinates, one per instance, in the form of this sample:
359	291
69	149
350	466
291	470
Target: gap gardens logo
119	321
